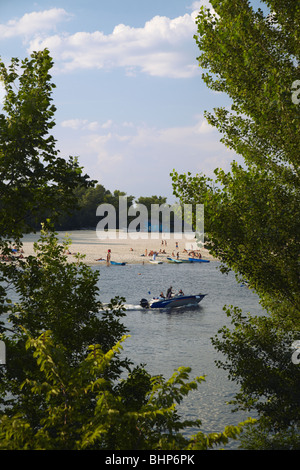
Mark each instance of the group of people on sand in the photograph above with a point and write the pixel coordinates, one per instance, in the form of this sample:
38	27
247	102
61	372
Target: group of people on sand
152	253
170	293
195	254
16	253
162	251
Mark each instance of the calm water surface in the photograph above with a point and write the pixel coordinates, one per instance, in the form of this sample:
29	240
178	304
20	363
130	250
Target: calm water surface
165	341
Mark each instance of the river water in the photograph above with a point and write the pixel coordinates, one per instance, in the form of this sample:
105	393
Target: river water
165	341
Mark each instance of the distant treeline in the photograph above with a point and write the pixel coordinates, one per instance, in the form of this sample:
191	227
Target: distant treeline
90	198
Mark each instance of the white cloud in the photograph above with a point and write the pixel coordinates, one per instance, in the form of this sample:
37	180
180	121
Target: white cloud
74	123
32	23
164	47
197	4
84	124
107	124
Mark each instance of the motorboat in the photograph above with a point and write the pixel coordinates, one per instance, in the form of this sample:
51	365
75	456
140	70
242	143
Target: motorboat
155	261
174	301
115	263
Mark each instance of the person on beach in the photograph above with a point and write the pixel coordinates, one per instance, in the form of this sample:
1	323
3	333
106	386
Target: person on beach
108	257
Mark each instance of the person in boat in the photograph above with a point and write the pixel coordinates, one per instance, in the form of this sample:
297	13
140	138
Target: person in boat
169	292
180	292
161	295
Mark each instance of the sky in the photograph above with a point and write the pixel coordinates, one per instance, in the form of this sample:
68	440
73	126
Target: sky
129	94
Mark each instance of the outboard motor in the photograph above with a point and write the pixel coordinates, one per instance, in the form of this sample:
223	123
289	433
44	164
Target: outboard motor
144	303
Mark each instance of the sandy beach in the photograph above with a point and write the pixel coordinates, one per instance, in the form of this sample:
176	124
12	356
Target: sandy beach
124	248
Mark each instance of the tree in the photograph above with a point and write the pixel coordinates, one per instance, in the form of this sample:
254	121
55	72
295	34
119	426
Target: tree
84	216
147	201
88	200
35	182
55	295
252	211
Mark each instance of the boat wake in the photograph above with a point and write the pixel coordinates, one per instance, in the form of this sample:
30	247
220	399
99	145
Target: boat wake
166	308
130	307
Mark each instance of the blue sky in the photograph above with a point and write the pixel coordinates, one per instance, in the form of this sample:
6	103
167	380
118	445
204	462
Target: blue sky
129	96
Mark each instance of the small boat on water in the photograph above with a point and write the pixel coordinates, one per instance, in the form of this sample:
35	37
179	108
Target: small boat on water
198	260
114	263
155	261
172	302
173	260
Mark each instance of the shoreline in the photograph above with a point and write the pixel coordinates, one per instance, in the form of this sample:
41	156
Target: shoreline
124	248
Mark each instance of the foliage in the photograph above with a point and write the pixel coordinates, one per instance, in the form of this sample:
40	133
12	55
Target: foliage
252	227
84	216
88	200
252	211
260	437
148	201
55	294
70	393
34	180
258	354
